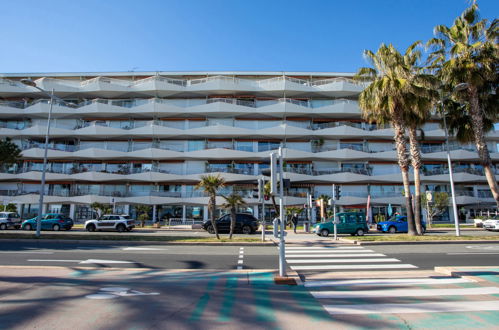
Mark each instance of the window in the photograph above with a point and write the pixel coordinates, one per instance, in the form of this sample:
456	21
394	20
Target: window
244	146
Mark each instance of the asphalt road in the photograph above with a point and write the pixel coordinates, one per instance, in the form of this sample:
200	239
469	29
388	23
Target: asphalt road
424	256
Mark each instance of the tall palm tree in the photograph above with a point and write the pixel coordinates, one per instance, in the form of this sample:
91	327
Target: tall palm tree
386	99
467	55
232	203
211	184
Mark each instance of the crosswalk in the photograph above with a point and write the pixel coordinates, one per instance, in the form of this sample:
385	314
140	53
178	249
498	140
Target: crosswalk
317	258
382	293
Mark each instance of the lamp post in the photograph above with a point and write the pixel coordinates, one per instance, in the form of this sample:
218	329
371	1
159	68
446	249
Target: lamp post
31	83
458	87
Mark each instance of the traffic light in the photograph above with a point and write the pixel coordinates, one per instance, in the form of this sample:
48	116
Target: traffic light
337	192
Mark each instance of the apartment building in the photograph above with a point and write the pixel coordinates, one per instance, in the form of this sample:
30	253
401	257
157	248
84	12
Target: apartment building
146	138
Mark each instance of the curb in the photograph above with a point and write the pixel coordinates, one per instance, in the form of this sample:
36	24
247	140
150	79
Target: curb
468	272
422	242
123	242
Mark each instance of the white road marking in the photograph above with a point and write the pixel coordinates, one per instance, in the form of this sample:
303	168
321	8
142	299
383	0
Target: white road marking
342	267
483	247
339	261
98	261
240	262
143	249
427	307
327	251
324	247
403	293
241	258
387	282
53	260
339	255
459	253
28	252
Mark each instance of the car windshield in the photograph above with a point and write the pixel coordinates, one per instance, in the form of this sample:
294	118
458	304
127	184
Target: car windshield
4	215
398	218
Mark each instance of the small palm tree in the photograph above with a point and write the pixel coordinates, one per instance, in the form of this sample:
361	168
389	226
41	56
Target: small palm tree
266	192
467	54
232	203
211	184
142	213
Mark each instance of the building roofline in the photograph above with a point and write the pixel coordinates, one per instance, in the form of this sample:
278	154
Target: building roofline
176	73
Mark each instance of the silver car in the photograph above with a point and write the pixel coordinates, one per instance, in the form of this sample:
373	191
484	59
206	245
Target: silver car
9	220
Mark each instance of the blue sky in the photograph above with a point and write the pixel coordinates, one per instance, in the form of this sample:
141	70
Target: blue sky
216	35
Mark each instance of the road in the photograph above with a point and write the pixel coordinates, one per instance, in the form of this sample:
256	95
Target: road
423	256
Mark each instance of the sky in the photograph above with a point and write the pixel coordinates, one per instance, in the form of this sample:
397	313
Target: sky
213	35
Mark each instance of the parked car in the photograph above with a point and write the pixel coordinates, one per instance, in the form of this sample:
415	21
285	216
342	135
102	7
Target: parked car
50	221
396	224
245	223
353	223
491	224
9	220
117	222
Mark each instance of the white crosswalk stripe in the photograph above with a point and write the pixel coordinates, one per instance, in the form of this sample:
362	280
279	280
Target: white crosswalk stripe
385	295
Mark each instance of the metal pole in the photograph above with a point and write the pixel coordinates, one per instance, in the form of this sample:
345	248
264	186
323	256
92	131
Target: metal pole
261	194
282	243
451	176
334	213
44	168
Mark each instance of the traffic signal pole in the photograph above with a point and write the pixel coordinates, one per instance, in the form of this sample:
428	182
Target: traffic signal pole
282	242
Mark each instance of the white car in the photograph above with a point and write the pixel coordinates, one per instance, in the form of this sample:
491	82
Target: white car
491	224
10	219
118	222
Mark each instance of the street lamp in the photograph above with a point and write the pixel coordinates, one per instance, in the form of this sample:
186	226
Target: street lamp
458	87
31	83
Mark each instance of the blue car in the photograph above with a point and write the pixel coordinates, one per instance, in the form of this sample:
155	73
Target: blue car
50	221
396	224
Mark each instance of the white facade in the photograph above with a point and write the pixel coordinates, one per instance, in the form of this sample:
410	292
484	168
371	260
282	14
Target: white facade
147	137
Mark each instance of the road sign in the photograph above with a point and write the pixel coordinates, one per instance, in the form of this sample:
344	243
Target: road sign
429	196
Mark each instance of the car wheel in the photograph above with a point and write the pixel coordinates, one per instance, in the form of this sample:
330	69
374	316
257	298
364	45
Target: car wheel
360	232
210	229
3	226
392	230
246	230
91	228
56	227
324	233
28	227
120	228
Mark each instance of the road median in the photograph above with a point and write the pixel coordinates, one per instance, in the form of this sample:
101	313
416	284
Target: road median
427	239
135	239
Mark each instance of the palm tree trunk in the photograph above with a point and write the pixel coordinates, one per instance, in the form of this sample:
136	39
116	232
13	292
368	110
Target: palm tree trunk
404	167
416	165
481	146
232	221
213	203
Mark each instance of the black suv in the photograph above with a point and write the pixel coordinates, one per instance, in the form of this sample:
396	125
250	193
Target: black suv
245	223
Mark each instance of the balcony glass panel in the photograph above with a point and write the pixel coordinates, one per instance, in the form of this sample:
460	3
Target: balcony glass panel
194	145
87	189
171	168
141	190
141	168
174	145
92	144
117	168
303	146
301	124
220	121
14	124
352	146
244	168
62	167
178	124
267	145
122	124
244	146
195	123
261	124
249	124
115	190
219	144
117	145
386	191
89	167
141	145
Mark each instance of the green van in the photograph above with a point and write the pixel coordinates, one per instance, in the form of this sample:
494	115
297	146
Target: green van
353	223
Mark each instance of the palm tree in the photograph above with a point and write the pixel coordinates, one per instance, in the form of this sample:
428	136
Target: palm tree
419	105
232	203
9	153
211	184
325	201
466	56
142	213
386	99
266	192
